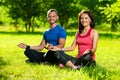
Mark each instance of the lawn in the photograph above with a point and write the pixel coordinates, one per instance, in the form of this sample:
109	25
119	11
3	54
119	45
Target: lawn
14	67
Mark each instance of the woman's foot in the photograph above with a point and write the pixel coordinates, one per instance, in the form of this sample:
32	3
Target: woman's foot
61	65
76	67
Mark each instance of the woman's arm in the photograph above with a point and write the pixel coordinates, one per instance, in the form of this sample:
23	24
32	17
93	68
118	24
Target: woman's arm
95	40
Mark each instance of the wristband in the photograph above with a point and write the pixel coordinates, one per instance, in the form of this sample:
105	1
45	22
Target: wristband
90	52
28	47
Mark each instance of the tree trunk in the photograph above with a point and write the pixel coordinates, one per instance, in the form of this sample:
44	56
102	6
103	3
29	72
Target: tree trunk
28	25
113	26
32	24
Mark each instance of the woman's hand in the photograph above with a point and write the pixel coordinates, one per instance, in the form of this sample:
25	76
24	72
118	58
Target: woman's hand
87	51
22	45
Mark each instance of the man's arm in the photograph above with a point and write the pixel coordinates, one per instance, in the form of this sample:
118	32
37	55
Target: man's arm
40	46
61	43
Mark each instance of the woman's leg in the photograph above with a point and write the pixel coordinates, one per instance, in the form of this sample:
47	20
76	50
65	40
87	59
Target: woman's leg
66	59
85	60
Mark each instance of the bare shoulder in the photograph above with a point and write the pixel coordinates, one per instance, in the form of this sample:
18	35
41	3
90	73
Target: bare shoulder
95	31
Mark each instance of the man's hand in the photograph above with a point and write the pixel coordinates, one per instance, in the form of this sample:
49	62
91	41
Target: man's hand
55	48
22	45
49	46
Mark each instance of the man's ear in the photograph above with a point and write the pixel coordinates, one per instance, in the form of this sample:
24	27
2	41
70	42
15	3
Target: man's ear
57	17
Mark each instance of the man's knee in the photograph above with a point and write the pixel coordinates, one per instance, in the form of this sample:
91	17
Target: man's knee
58	54
27	51
61	57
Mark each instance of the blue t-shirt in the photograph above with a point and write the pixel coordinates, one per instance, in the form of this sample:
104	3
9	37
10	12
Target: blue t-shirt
52	36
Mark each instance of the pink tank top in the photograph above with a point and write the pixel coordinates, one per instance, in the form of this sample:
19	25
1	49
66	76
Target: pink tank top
84	42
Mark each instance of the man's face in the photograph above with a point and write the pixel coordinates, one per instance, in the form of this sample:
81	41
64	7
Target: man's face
52	17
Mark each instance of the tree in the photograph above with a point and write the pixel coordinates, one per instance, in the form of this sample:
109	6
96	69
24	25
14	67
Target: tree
26	10
112	13
98	8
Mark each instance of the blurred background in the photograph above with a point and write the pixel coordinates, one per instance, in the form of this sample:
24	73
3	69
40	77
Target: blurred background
29	15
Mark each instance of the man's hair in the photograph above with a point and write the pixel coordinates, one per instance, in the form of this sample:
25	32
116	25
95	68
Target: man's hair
52	10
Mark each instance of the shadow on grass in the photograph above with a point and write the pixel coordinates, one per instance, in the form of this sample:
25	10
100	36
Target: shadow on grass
109	35
101	35
69	33
2	63
98	72
21	33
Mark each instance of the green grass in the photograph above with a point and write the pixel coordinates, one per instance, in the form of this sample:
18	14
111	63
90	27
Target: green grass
13	66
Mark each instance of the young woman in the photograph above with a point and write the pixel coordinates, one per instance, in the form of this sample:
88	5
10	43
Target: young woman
86	38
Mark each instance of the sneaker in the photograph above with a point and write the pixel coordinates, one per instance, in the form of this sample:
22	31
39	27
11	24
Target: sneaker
61	65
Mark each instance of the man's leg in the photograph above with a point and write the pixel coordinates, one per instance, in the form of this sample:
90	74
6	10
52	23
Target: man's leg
50	57
34	56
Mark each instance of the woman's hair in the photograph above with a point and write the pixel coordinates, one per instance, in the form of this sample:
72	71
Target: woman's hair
80	26
52	10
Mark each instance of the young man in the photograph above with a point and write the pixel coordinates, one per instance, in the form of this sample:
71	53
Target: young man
54	36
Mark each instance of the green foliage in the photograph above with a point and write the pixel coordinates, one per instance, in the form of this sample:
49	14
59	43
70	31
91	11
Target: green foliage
93	6
112	11
26	10
4	17
112	14
66	9
32	13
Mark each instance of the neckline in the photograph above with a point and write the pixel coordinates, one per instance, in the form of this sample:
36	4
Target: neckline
88	33
53	28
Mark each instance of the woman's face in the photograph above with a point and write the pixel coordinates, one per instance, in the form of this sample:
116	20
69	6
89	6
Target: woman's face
85	20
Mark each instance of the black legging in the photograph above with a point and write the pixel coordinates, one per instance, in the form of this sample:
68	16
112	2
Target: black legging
35	56
84	60
56	57
63	58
